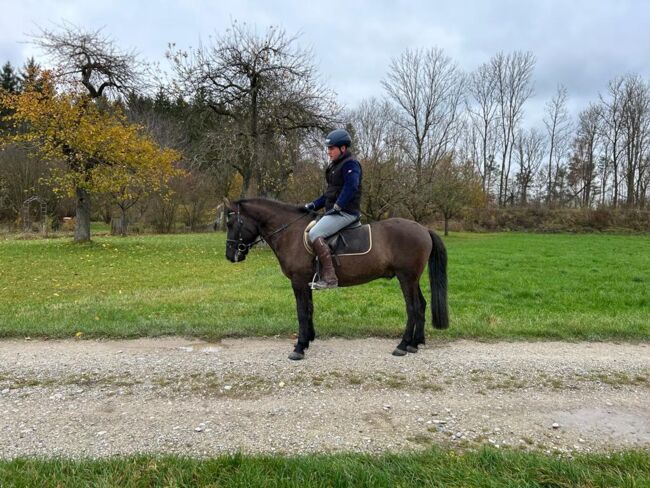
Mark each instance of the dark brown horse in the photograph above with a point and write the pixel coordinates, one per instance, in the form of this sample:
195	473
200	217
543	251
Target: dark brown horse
400	248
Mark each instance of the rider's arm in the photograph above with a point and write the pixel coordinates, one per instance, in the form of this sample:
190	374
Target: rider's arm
319	202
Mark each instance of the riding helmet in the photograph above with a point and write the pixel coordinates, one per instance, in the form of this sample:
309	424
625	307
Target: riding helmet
338	138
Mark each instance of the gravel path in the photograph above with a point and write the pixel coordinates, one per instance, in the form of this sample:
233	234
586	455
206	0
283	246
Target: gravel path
173	395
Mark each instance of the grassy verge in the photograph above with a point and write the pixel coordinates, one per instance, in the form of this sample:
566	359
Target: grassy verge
435	467
502	286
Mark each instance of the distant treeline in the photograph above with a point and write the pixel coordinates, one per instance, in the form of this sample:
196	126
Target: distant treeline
247	114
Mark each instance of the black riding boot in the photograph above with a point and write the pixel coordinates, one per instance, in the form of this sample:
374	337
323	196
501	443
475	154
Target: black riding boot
328	277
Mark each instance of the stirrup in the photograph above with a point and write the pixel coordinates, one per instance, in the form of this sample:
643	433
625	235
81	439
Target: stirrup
323	285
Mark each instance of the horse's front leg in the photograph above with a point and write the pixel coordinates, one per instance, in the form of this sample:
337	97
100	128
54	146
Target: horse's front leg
310	311
304	308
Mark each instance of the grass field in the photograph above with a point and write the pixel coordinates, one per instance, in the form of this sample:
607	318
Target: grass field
434	468
502	286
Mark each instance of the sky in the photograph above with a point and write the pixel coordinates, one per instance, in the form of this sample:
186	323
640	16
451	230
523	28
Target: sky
580	44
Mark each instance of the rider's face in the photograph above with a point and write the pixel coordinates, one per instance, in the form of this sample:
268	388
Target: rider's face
333	152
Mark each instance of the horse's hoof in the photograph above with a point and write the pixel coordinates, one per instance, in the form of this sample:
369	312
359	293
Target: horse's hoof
411	349
399	352
296	356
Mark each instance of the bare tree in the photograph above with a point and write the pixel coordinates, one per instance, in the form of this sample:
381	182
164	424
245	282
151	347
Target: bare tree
266	87
612	121
530	146
482	109
378	143
558	127
513	73
90	59
582	169
636	132
427	89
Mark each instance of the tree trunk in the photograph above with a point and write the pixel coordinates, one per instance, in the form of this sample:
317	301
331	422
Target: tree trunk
123	223
446	225
119	225
82	220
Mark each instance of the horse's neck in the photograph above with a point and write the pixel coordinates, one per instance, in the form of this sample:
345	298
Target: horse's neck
271	218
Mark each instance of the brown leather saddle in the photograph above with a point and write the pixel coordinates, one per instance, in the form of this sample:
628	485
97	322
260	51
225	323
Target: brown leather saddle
353	240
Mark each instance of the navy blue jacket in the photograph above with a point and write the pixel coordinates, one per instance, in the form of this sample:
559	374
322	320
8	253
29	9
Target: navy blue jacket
343	185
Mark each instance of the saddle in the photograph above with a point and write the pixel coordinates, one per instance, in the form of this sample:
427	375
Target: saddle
353	240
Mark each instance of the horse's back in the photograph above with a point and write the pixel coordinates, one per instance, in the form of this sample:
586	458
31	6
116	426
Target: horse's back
398	239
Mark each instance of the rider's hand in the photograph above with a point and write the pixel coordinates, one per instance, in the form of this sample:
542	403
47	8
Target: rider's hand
310	206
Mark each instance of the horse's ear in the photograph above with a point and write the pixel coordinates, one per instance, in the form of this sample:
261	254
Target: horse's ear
226	202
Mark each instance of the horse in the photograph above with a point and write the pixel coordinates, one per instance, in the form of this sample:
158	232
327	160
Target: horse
400	248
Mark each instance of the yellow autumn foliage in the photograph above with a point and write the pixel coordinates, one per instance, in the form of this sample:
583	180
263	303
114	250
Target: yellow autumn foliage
103	152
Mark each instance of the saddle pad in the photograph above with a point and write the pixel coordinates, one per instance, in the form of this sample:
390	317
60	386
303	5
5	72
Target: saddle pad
352	241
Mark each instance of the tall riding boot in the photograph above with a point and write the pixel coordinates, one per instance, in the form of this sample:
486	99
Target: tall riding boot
328	277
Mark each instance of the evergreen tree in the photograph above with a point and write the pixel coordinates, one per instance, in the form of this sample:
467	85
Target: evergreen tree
9	79
30	75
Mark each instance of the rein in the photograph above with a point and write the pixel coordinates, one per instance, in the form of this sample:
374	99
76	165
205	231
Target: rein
242	246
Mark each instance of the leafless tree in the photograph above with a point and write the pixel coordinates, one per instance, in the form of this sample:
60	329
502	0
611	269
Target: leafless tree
265	85
582	168
530	146
90	58
612	121
558	129
378	143
513	73
636	134
482	110
427	89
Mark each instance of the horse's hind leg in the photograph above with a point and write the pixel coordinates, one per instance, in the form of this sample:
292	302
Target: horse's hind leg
410	290
419	325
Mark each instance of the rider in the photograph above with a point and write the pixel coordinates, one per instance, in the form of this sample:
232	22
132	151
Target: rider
342	202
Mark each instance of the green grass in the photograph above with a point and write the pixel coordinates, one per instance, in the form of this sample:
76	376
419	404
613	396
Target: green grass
432	468
502	286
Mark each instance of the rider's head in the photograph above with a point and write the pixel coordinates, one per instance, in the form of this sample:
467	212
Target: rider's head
338	141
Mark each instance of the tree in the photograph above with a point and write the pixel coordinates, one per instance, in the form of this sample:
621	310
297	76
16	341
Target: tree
513	73
9	80
427	89
102	152
582	169
529	152
557	124
88	61
455	187
377	145
635	112
482	105
612	121
266	89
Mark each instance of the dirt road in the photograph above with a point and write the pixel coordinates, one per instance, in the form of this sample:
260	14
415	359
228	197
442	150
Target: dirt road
173	395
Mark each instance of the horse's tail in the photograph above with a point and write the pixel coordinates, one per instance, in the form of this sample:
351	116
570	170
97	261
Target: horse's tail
438	282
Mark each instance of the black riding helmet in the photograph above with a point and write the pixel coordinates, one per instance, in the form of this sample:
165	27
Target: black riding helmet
338	138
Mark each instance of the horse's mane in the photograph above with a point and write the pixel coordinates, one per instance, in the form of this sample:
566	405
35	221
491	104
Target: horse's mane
276	204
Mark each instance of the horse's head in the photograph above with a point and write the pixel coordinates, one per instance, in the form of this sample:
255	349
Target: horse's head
242	232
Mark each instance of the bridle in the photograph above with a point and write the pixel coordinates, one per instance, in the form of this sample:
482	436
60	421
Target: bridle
243	247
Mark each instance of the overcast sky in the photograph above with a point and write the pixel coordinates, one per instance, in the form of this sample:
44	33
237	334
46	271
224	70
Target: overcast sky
581	44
